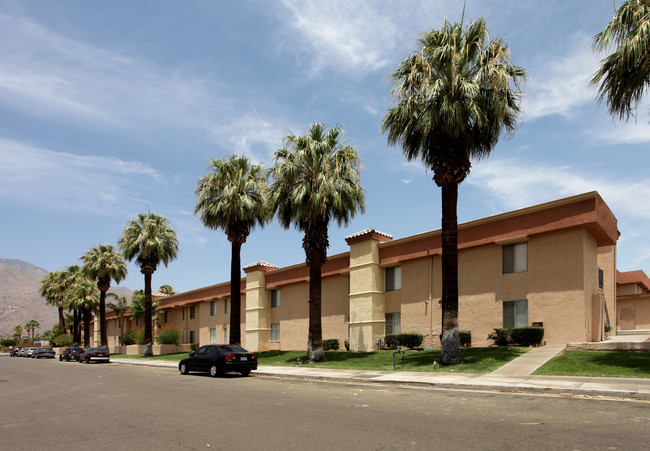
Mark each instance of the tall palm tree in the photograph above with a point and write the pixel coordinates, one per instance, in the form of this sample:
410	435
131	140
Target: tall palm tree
625	74
232	198
52	289
316	179
119	306
31	326
18	332
103	264
69	277
84	297
149	239
455	95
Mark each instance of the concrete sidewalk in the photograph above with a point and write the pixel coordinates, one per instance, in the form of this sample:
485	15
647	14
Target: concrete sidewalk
513	377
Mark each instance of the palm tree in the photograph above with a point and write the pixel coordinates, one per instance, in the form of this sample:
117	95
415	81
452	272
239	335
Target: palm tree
316	179
32	326
69	277
137	306
625	74
454	96
120	306
83	296
149	239
232	198
18	332
167	289
103	264
52	289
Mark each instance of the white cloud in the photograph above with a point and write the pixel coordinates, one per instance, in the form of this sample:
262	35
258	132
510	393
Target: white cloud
62	181
558	85
517	183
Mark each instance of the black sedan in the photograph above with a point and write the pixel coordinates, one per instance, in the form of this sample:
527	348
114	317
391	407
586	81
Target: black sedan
95	355
71	353
45	353
219	359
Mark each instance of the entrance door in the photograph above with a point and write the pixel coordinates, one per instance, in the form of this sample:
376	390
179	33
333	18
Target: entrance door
626	317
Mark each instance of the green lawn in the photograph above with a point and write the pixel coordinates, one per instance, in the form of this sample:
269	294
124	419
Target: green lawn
474	360
598	364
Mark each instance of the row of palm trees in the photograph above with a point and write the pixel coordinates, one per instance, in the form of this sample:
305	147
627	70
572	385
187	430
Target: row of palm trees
454	96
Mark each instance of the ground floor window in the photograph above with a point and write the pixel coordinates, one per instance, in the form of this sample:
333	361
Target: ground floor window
275	331
213	335
225	334
515	313
393	323
192	337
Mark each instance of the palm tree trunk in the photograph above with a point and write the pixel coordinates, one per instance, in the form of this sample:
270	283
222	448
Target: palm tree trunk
121	326
235	294
86	318
61	319
315	352
450	353
76	326
102	318
148	330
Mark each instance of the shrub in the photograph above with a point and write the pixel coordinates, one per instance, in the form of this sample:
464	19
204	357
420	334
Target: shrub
527	336
129	338
194	346
410	340
331	345
64	340
465	338
169	335
522	336
7	342
391	340
138	336
347	344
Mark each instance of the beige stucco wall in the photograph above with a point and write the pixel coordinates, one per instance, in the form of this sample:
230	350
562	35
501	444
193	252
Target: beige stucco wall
634	312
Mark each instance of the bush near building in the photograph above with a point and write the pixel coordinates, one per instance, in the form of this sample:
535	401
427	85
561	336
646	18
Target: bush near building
169	335
517	336
407	340
331	345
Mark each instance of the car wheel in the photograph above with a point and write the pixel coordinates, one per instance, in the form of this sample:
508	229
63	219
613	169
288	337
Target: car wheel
60	358
214	371
183	369
245	372
87	359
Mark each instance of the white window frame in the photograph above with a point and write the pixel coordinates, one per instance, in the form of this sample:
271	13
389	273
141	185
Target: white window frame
213	308
393	323
275	331
394	278
275	298
225	334
515	258
213	335
519	315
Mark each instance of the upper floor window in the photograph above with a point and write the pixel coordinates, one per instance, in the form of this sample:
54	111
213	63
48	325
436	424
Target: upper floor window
225	305
394	278
515	258
213	308
275	298
601	279
192	312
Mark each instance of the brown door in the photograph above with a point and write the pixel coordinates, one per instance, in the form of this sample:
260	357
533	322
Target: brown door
626	317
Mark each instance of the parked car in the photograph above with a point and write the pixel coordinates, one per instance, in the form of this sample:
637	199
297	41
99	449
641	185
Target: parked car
46	353
95	355
27	352
15	351
71	353
219	359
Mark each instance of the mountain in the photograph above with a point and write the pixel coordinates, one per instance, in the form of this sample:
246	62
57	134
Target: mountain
20	301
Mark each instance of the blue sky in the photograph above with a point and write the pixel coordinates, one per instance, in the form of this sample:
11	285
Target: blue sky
108	109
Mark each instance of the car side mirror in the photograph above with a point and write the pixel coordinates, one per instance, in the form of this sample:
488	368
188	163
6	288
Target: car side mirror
191	354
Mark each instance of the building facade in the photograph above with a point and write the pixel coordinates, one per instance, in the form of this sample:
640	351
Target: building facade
633	301
552	264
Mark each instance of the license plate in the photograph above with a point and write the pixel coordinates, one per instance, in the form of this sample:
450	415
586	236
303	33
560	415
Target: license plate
243	358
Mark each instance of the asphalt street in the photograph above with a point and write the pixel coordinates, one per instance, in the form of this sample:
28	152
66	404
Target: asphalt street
47	404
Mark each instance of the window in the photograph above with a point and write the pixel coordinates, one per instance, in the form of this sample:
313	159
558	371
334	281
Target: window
275	298
183	313
601	278
225	334
394	278
393	323
213	308
192	312
275	331
213	335
166	317
515	313
192	337
137	322
225	305
515	258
